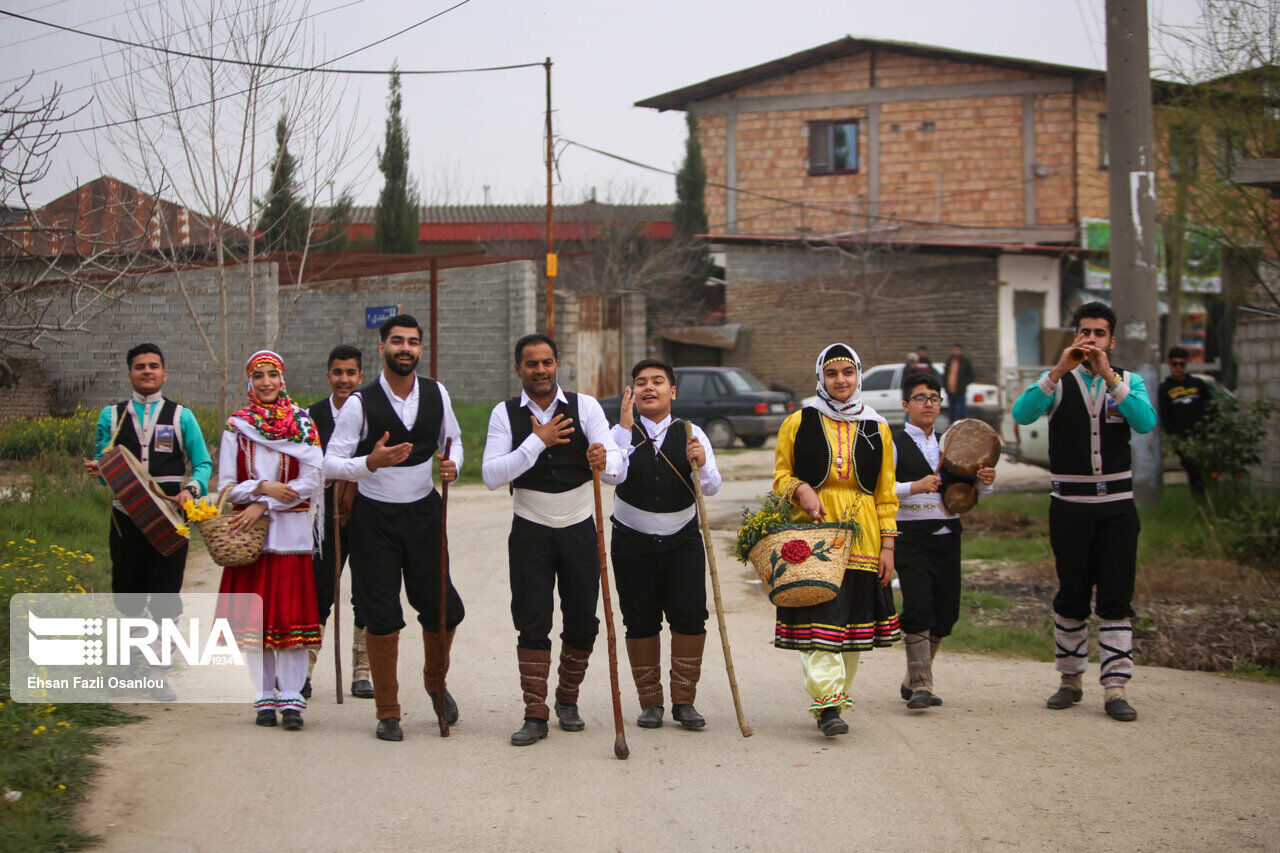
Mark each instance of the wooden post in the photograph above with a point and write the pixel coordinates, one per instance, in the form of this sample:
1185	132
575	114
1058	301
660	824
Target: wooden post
551	256
435	311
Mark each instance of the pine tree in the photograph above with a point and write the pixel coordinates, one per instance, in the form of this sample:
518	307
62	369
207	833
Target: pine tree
396	218
283	224
690	215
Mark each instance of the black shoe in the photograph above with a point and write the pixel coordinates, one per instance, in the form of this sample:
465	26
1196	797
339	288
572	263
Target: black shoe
905	692
650	717
450	706
389	729
920	699
306	689
266	717
291	720
687	716
530	733
568	716
1119	709
1065	697
362	689
831	724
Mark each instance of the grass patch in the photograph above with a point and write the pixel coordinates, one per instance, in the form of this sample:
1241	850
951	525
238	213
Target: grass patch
474	420
52	539
976	633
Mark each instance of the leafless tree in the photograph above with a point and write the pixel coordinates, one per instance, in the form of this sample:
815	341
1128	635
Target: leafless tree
205	129
59	268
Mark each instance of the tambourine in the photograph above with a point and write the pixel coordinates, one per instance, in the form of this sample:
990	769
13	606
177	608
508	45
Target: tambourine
967	446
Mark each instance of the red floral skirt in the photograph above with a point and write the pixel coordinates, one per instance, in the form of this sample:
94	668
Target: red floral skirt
287	585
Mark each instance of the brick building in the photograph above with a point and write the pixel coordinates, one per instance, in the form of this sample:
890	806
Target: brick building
970	173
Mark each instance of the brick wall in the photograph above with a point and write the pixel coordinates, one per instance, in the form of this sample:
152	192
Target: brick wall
1257	348
778	297
28	393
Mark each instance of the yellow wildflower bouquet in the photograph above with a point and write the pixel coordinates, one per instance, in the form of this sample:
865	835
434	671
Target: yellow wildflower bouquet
773	513
199	510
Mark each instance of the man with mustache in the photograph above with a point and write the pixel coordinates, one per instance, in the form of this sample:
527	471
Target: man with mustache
384	439
545	444
345	375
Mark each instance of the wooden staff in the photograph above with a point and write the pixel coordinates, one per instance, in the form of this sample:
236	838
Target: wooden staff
444	590
337	588
620	748
746	730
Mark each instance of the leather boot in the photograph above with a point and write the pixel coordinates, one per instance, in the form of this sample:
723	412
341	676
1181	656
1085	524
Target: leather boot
645	656
573	668
919	672
433	678
313	655
535	666
686	667
361	678
384	653
1069	692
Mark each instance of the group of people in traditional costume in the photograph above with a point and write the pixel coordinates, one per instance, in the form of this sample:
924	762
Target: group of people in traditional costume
835	460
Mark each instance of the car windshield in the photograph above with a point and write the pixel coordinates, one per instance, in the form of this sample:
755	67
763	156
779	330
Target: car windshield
740	380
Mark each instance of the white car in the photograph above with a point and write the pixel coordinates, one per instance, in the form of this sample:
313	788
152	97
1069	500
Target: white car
882	391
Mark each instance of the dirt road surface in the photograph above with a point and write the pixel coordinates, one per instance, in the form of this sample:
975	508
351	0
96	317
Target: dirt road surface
992	768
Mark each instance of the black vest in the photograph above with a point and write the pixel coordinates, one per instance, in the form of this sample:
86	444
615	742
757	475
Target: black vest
379	417
913	466
168	467
559	468
813	454
651	485
1071	429
323	419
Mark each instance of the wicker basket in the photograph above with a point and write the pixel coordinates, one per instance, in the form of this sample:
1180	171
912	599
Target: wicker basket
228	548
813	568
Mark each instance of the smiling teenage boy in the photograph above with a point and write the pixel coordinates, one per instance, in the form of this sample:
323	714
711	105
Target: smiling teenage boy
658	559
1093	409
928	555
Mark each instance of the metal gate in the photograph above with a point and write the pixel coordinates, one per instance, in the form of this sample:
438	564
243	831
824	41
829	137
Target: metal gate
600	344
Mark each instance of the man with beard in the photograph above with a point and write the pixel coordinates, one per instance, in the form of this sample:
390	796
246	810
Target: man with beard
384	439
545	444
345	374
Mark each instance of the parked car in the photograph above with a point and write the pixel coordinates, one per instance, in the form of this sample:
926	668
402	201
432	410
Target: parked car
726	402
882	391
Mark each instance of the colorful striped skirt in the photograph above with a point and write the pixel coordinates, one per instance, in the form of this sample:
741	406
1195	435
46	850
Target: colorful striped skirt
287	585
860	618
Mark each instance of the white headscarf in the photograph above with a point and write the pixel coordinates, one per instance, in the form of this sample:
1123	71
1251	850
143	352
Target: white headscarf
852	409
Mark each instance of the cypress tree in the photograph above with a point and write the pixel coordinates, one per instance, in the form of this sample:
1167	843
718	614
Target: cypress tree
690	215
396	218
283	223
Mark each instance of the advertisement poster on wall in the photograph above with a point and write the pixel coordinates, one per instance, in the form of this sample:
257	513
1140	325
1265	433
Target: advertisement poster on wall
1201	268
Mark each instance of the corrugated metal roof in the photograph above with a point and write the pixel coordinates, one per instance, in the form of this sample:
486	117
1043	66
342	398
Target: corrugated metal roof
589	211
957	245
679	99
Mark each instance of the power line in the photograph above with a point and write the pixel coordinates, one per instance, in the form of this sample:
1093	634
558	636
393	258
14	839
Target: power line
97	20
216	98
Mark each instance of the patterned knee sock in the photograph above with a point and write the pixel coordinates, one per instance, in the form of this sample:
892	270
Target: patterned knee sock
1071	641
1115	650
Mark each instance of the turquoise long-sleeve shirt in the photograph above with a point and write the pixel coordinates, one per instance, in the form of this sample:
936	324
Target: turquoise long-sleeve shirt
192	440
1130	396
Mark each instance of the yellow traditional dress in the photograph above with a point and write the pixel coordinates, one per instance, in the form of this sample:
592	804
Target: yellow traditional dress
861	617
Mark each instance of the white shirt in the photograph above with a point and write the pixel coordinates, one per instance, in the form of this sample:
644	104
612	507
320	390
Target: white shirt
926	506
662	523
289	532
393	484
502	464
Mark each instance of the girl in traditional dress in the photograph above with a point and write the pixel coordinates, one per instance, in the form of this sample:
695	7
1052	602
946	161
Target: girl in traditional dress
834	461
270	455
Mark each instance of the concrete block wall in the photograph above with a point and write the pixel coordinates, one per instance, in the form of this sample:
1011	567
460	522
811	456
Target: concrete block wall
791	304
29	392
1257	347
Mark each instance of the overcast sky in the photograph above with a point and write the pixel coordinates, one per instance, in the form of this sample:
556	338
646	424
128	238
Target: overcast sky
476	130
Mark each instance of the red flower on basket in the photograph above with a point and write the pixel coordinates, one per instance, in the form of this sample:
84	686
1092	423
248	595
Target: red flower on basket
795	551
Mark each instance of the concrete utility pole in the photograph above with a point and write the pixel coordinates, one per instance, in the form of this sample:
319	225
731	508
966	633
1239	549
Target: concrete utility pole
1133	221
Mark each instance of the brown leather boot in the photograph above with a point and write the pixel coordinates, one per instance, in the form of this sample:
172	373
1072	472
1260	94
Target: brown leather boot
433	677
686	667
384	653
361	679
919	671
535	666
645	656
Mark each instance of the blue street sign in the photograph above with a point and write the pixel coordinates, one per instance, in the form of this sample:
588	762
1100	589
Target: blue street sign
375	315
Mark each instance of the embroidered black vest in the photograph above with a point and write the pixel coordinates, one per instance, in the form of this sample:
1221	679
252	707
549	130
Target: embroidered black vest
380	417
561	467
813	453
913	466
651	484
1072	429
168	467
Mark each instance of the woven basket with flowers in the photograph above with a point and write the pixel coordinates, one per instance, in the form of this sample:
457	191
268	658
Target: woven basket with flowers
800	565
226	546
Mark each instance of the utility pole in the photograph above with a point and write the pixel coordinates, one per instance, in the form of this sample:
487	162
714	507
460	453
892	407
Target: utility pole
551	253
1133	221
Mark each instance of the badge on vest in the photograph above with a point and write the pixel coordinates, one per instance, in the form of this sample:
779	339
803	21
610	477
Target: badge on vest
163	441
1113	412
1102	489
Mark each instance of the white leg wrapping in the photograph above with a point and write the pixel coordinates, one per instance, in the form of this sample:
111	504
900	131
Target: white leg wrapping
291	669
1115	650
1071	642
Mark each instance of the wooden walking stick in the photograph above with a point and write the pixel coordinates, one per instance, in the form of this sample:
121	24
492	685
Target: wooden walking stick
620	748
444	590
746	730
337	587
